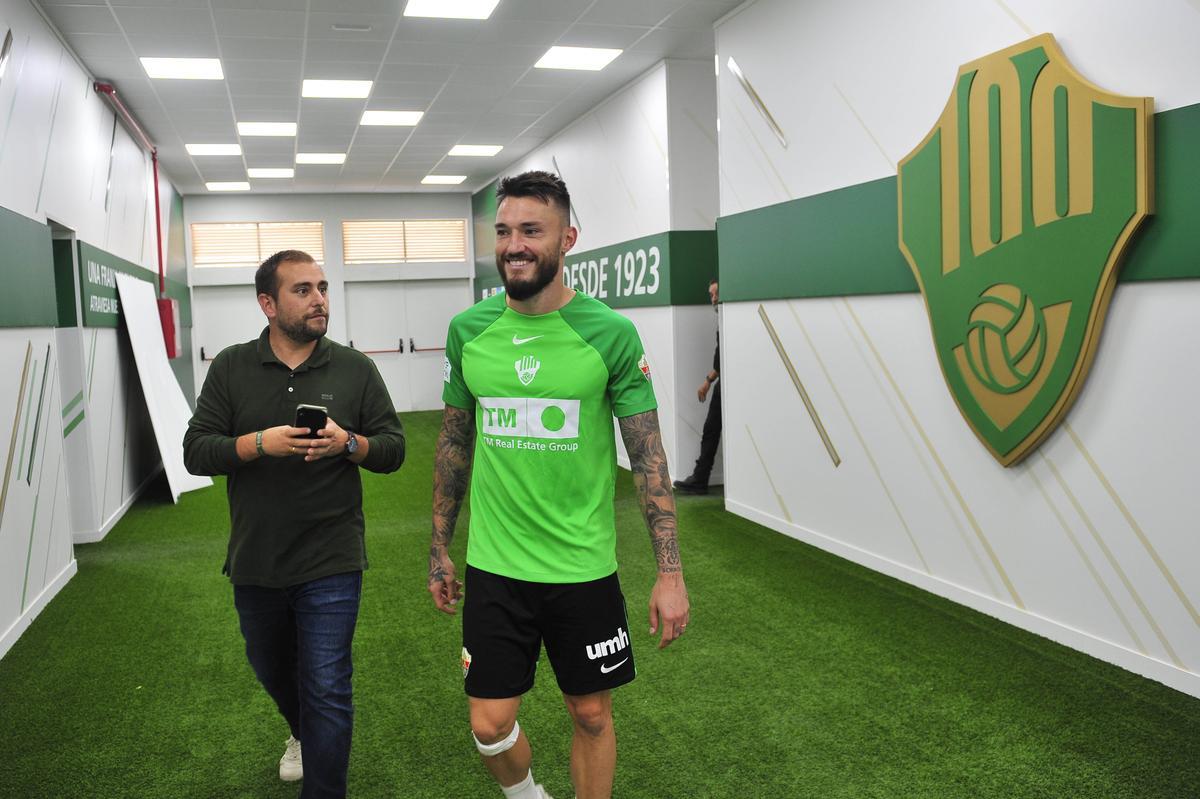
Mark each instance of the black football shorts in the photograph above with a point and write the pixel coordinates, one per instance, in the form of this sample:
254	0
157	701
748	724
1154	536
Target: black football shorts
505	622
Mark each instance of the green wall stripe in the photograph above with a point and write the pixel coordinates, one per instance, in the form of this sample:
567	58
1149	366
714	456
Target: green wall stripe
73	424
78	398
64	282
845	242
26	272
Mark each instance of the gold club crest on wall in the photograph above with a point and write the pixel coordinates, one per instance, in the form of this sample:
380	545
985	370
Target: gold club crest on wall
1014	213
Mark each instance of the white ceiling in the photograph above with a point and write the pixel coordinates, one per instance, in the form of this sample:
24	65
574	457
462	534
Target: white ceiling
474	79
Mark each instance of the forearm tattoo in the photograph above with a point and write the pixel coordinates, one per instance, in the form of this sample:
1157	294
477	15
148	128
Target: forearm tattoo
451	476
649	465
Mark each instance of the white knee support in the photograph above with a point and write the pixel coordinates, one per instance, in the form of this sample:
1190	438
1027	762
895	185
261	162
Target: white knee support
500	747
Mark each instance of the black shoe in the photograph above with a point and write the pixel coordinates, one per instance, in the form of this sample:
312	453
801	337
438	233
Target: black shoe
692	485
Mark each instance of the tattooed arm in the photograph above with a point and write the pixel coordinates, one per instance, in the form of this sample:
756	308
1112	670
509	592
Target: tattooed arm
668	599
451	475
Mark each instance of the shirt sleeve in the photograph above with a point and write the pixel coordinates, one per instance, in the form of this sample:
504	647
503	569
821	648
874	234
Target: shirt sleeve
454	388
210	443
381	426
629	387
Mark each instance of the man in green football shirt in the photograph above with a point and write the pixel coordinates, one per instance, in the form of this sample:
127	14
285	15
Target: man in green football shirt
533	377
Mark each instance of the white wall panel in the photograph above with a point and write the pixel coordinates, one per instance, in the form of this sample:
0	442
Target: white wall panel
1089	540
63	158
855	86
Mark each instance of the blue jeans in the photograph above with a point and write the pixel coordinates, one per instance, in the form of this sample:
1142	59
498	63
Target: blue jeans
298	642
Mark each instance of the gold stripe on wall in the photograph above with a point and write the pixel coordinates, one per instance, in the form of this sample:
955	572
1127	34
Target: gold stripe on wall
1087	562
778	497
863	125
12	444
1137	529
1112	561
970	547
991	553
861	439
787	364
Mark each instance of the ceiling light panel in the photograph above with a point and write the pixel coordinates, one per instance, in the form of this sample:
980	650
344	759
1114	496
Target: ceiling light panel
586	58
476	150
214	149
268	172
320	158
408	118
183	68
266	128
443	180
232	185
451	9
347	89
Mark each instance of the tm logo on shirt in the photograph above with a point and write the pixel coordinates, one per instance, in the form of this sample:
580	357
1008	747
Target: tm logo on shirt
537	418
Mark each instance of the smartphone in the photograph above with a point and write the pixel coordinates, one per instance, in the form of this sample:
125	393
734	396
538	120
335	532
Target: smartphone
311	416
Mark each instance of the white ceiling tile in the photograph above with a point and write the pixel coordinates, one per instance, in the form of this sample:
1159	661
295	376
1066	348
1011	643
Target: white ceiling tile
632	12
256	87
701	14
343	70
416	73
535	10
273	24
408	52
679	42
618	37
83	19
261	5
503	55
164	21
99	45
237	70
337	50
253	48
117	70
530	33
440	31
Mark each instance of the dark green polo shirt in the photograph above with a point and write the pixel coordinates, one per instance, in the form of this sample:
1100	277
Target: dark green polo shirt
291	521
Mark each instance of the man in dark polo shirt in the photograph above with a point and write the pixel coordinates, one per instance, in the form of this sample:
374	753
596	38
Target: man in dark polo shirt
296	548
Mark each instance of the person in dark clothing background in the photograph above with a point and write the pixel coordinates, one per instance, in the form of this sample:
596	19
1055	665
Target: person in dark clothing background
697	481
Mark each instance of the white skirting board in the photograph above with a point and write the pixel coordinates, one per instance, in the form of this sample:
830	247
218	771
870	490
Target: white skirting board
93	536
11	635
1107	651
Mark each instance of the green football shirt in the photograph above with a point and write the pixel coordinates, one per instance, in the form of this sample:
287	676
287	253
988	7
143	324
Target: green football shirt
544	390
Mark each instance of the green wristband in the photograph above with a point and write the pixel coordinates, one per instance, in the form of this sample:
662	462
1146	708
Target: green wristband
258	443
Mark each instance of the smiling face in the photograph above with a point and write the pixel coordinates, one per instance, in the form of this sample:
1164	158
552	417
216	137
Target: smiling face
531	238
299	309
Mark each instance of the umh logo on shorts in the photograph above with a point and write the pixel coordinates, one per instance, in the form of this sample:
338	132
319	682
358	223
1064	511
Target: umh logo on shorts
531	417
610	647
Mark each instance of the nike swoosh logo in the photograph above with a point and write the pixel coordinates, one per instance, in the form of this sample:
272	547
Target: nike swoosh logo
606	669
519	341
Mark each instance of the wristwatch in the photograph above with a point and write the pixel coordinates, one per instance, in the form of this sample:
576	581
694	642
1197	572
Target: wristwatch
351	443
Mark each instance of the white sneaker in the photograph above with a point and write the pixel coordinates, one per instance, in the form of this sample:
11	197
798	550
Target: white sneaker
541	792
291	767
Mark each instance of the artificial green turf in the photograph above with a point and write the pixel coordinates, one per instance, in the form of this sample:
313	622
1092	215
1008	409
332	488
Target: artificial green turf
801	675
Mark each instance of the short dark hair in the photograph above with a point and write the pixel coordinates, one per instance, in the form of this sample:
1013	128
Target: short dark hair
546	186
265	280
712	281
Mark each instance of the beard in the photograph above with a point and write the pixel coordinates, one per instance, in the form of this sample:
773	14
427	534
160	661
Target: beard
544	270
303	330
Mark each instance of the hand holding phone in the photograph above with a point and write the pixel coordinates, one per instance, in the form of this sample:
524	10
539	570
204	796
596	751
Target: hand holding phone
312	417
